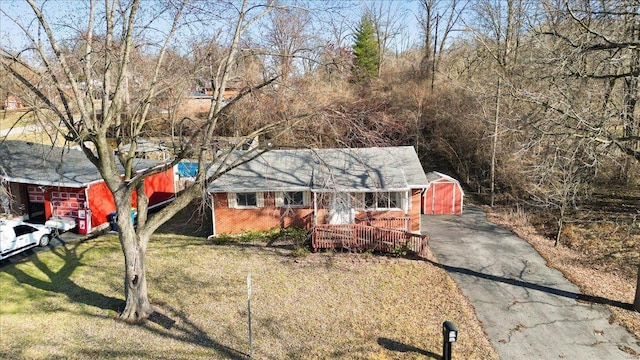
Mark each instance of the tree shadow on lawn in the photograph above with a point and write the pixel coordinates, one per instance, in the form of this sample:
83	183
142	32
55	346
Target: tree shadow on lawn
397	346
532	286
187	331
192	220
59	280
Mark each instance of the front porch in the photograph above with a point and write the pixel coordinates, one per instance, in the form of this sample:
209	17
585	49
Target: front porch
373	236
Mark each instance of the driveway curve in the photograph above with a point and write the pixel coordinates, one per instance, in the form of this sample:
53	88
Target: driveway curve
528	310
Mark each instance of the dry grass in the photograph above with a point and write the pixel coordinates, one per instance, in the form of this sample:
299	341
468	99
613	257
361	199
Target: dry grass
586	262
17	118
25	126
63	304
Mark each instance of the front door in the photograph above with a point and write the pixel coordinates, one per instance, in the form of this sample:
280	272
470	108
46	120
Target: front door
340	212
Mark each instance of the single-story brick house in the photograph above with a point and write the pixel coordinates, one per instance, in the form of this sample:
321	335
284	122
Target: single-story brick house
38	182
309	187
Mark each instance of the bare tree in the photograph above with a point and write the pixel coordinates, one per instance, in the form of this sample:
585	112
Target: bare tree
387	20
587	73
438	20
560	177
286	34
125	48
499	28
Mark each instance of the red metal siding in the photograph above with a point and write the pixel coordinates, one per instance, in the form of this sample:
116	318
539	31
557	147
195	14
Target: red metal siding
101	203
160	187
443	197
427	200
65	202
457	200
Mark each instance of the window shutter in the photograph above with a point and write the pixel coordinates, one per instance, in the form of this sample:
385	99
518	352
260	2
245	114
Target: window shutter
279	199
306	198
231	199
260	199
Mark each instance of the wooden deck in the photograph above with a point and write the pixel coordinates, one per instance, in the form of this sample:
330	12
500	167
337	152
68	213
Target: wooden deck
396	223
363	237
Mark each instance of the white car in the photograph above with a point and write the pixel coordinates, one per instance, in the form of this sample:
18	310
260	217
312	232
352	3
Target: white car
17	236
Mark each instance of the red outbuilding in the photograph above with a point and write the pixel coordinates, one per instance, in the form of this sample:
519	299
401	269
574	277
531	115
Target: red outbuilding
40	182
443	196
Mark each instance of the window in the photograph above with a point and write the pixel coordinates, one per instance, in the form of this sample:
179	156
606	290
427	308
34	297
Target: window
383	200
389	200
24	229
293	198
369	200
246	199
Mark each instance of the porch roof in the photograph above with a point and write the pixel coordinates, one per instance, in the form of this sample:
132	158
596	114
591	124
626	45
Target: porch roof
327	170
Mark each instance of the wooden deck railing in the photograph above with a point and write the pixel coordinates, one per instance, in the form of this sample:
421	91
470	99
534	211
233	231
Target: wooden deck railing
397	223
363	237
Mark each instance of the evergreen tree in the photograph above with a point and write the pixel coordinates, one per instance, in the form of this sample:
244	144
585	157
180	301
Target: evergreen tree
365	48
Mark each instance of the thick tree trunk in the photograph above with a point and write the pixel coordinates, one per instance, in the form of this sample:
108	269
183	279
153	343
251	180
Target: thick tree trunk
137	307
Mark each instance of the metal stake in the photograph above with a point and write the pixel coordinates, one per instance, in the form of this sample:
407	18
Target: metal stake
249	315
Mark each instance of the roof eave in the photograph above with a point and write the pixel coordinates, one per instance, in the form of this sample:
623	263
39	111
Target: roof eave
45	183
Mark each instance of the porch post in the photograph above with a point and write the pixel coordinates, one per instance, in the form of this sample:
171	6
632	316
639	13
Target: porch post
315	209
407	204
213	214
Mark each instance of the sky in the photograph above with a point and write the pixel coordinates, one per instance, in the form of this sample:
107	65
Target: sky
73	13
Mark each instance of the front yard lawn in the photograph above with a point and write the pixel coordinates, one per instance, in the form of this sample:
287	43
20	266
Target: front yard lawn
64	304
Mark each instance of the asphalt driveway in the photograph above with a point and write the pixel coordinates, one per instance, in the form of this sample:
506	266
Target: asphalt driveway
528	310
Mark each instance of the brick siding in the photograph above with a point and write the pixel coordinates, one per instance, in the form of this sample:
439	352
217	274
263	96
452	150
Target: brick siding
235	221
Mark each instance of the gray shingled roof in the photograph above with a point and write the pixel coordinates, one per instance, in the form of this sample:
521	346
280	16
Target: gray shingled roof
354	170
38	164
435	176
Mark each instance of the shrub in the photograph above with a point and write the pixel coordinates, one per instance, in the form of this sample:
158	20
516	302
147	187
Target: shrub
297	237
400	250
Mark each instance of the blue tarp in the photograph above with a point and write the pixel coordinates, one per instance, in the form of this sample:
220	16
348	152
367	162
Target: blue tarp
187	168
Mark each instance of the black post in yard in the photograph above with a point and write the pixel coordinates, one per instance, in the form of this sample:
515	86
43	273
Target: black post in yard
449	336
